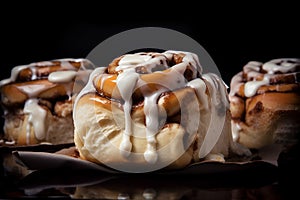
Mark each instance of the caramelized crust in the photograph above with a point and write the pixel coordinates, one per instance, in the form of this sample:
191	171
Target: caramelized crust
265	102
37	101
153	110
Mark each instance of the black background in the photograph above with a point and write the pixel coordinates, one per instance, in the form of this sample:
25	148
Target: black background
232	36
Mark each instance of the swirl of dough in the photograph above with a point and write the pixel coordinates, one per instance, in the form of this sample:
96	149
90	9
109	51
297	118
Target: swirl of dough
275	75
37	100
260	95
158	105
156	72
47	80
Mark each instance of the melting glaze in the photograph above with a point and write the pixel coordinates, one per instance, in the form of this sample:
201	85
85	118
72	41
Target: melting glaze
36	120
129	80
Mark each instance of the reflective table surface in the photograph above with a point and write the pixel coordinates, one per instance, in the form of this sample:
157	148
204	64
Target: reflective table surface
257	182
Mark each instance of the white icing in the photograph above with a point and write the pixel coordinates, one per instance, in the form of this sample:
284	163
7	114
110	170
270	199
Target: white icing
13	142
126	83
62	76
218	96
130	60
43	63
236	82
236	128
33	71
252	66
172	79
57	77
189	57
89	87
129	80
252	71
282	65
152	126
141	60
200	88
251	87
32	90
36	120
65	64
253	75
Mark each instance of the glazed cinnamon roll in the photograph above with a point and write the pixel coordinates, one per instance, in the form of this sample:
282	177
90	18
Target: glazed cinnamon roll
152	110
265	102
37	101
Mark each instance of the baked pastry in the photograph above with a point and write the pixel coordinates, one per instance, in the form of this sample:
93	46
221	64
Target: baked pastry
148	110
265	103
37	101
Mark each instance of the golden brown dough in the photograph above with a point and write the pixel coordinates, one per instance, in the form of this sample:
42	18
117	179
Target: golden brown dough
37	101
265	103
149	110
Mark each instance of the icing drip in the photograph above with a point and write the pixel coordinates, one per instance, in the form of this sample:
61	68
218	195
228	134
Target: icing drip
36	120
62	76
38	71
251	87
274	73
200	88
236	83
281	65
129	80
126	82
65	64
217	92
152	126
236	128
252	71
189	58
33	71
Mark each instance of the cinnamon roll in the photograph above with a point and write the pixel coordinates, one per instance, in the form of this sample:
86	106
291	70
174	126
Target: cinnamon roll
152	110
265	103
37	101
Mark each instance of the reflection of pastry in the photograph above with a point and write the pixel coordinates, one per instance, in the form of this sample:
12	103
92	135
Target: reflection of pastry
152	109
174	188
143	188
37	101
115	190
265	102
